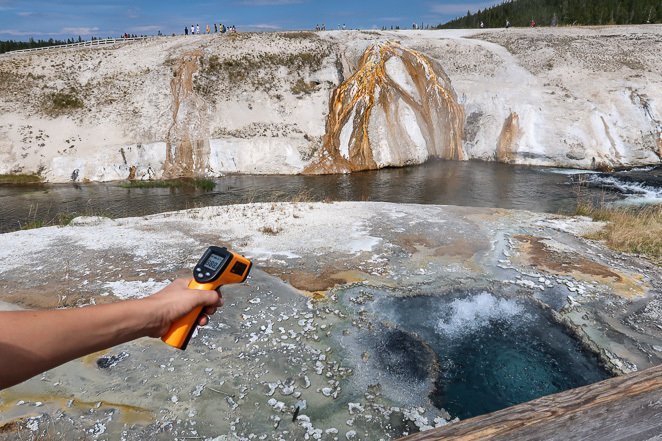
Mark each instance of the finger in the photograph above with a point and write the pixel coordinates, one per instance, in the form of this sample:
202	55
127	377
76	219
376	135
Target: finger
210	310
205	298
203	320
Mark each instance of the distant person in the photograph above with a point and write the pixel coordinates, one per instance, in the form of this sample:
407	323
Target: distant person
192	29
507	24
482	25
197	29
323	26
215	28
185	30
533	23
207	29
344	28
413	26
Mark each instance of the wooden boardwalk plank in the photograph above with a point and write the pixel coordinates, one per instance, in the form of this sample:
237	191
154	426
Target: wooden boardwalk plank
628	407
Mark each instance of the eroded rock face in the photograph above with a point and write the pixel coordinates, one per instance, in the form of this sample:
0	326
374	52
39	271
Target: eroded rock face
398	108
187	145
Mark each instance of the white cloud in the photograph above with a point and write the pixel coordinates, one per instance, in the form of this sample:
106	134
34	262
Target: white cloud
133	13
80	30
262	26
390	19
460	8
17	33
146	28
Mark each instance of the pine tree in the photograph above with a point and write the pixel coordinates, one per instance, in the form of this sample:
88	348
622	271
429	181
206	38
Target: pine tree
567	12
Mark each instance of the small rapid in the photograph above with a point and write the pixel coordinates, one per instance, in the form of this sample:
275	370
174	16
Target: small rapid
634	192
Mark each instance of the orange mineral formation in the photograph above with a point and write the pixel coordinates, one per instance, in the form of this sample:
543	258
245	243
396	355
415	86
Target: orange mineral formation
187	146
507	143
397	109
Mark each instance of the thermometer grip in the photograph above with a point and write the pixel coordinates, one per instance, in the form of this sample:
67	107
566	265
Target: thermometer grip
182	329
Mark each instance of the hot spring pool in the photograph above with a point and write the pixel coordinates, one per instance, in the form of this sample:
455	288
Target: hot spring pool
469	353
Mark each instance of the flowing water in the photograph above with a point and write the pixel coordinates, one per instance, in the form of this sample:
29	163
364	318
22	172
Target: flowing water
481	184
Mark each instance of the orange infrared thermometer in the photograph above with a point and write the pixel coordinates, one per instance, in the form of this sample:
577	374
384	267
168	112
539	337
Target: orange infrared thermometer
216	268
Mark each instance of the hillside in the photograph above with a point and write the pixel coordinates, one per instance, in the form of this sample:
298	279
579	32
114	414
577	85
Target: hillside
562	12
332	102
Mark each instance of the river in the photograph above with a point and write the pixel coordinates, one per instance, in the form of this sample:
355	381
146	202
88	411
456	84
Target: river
467	183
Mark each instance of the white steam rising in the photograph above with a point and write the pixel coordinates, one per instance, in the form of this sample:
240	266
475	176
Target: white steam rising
473	313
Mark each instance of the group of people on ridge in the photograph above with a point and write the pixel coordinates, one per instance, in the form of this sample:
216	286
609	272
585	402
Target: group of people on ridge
220	27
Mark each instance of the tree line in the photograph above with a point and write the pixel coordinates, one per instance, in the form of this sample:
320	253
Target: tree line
562	13
11	45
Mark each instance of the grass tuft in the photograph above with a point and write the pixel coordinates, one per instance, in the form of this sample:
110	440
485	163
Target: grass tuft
19	179
31	225
271	231
303	88
60	103
298	35
203	184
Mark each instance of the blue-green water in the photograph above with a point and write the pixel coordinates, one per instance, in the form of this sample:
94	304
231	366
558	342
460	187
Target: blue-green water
480	352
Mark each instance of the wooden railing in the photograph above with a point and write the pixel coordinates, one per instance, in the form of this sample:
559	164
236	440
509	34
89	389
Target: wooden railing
628	407
88	43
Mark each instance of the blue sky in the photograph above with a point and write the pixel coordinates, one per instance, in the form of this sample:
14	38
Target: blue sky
20	20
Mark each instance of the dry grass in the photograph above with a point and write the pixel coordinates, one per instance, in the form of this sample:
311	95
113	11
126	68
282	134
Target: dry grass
256	70
630	229
271	231
302	87
204	184
297	35
302	196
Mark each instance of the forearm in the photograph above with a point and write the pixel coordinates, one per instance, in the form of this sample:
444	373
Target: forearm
34	341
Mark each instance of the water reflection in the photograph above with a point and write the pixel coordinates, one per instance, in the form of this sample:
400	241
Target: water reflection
472	183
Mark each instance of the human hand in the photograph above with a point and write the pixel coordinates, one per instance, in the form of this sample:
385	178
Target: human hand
175	301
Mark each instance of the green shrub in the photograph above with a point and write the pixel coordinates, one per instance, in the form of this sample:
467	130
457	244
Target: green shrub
18	179
60	103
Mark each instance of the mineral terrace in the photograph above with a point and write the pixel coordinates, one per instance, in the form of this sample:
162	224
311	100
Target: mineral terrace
281	342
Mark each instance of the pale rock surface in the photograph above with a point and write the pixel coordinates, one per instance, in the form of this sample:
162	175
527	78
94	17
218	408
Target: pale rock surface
260	103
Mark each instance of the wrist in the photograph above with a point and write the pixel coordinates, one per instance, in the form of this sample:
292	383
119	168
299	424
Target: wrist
149	317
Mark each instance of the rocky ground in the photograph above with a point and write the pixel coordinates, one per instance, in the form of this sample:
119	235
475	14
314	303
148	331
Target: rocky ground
260	103
281	343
